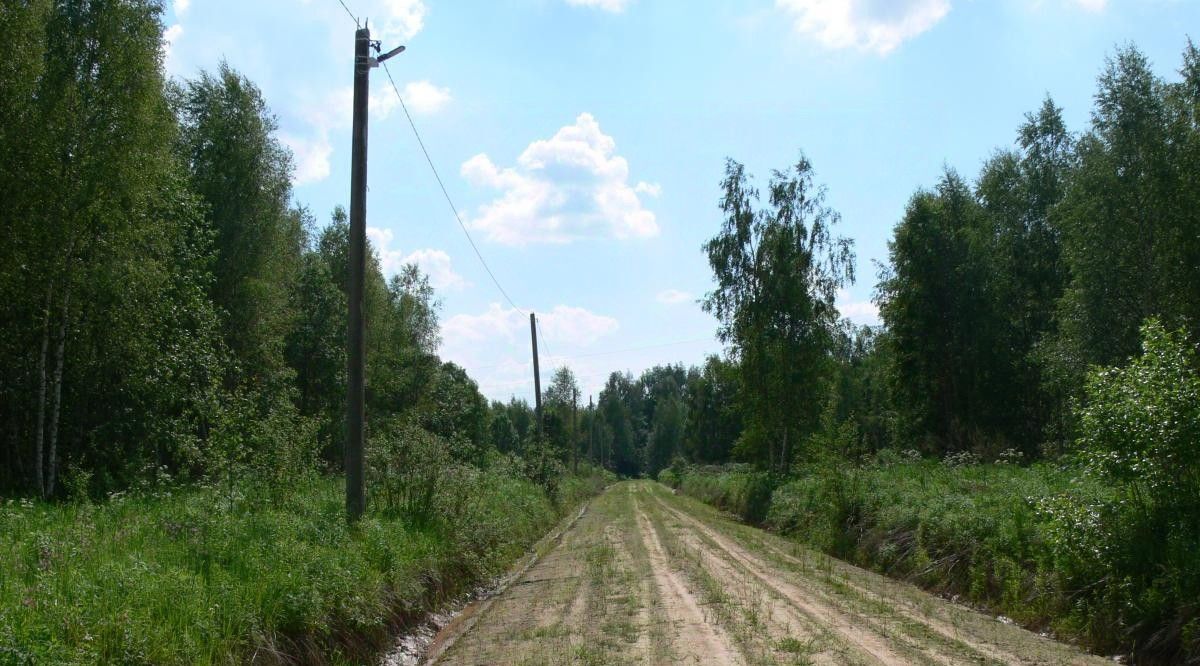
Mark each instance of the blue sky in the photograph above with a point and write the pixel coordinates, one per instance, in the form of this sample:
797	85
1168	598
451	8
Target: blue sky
584	140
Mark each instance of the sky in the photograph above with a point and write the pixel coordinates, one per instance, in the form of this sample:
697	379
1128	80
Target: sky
583	141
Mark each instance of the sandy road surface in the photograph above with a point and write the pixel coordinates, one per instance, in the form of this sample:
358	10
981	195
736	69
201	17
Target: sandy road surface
646	577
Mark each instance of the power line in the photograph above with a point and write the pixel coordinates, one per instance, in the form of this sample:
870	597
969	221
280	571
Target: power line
609	352
541	332
446	193
350	13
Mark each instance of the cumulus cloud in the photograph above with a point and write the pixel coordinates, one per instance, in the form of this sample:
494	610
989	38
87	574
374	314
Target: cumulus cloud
333	111
568	187
170	36
423	97
564	324
493	345
402	20
436	264
181	7
432	262
614	6
859	312
311	156
877	26
673	296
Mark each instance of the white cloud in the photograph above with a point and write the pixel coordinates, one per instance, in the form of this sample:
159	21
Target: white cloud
868	25
494	347
311	156
568	187
859	312
403	19
614	6
652	189
424	98
436	264
333	111
564	324
577	326
170	36
673	296
432	262
181	7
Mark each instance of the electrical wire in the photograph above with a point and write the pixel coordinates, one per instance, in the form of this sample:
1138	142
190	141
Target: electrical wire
446	194
350	13
610	352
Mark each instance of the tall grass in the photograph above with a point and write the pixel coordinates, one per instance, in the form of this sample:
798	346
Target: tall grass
210	575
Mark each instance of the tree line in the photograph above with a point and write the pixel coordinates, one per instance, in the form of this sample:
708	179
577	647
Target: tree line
999	296
168	310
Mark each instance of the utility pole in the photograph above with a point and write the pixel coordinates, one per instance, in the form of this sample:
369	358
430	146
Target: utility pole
574	431
356	322
356	370
537	377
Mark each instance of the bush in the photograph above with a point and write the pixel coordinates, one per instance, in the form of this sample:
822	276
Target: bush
409	470
1141	437
739	489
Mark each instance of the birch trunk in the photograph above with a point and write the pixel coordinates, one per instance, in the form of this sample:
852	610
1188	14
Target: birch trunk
786	463
40	436
56	409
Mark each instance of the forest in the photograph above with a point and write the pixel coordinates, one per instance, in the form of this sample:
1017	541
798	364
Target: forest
1022	430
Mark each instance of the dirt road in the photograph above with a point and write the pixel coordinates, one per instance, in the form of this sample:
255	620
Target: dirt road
648	577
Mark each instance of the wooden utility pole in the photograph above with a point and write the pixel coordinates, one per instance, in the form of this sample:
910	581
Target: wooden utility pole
356	334
537	377
574	431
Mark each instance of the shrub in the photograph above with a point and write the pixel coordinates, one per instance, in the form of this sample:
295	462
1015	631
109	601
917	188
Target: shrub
1141	436
739	489
408	468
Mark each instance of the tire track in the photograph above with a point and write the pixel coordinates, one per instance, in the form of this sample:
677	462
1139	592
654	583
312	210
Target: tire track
696	640
942	633
854	628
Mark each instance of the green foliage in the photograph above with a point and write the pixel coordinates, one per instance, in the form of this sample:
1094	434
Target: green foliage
243	174
937	304
1140	436
110	347
410	472
714	419
183	577
1141	425
778	269
739	489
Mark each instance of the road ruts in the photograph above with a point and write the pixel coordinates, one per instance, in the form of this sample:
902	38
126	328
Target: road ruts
648	577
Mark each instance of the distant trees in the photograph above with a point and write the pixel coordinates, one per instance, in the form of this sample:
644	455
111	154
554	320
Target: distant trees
168	310
714	419
999	293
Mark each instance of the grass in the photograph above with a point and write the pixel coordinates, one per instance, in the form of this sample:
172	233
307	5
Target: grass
200	576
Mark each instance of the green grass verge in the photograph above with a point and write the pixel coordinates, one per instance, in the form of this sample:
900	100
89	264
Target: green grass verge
193	577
